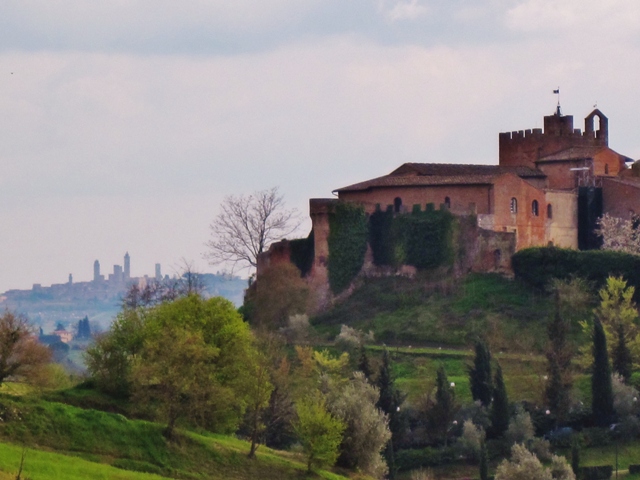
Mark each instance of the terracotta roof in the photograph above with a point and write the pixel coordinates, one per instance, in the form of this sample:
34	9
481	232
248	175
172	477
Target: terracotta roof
422	174
630	181
573	153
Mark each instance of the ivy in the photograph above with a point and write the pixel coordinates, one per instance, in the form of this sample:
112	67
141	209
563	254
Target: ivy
422	239
347	244
301	253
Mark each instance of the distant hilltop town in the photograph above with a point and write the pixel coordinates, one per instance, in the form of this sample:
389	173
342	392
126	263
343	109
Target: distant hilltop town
100	299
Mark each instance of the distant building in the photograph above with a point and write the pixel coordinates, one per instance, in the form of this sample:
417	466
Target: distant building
96	272
127	267
158	272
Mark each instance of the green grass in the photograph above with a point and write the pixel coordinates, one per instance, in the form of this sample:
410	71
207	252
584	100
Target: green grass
422	313
112	439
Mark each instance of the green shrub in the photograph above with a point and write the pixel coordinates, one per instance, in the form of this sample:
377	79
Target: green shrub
601	472
347	244
301	254
412	459
634	469
538	266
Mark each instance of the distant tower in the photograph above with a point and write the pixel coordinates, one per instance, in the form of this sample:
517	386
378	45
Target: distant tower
96	271
70	279
127	267
158	272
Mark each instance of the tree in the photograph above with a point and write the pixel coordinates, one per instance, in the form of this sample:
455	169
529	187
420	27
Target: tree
601	389
259	393
480	375
443	410
366	427
559	353
499	407
524	465
619	234
83	329
363	364
319	432
484	461
389	402
622	361
246	225
21	356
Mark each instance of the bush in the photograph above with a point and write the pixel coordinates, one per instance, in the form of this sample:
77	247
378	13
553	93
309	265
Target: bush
602	472
634	469
538	266
415	458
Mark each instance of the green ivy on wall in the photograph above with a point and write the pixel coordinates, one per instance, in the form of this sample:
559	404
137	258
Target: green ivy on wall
422	239
347	244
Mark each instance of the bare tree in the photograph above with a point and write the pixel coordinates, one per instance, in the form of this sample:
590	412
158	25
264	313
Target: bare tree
247	225
619	234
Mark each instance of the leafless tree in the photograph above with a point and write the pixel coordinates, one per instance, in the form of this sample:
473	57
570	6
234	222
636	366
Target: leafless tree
619	234
246	225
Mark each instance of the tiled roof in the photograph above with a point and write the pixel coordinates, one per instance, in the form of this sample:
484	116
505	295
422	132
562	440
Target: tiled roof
573	153
423	174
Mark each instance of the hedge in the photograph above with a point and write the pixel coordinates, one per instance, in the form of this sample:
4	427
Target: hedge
412	459
634	469
347	244
602	472
538	266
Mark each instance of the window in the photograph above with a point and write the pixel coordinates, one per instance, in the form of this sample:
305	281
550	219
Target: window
397	204
447	202
514	205
534	208
549	211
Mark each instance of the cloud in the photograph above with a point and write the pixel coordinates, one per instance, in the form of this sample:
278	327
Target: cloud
404	10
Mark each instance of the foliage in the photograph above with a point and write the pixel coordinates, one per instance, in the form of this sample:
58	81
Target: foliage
421	239
84	329
364	365
279	293
442	411
350	339
480	375
298	330
319	432
559	353
246	225
472	440
21	356
347	244
625	397
301	253
538	266
601	390
499	407
484	462
520	428
619	234
366	427
575	456
524	465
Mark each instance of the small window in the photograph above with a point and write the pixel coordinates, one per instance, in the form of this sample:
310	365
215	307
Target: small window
534	208
397	204
514	205
549	211
606	169
447	202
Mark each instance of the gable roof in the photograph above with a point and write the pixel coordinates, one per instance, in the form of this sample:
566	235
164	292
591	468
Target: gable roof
425	174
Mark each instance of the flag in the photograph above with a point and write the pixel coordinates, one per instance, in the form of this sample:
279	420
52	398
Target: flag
556	91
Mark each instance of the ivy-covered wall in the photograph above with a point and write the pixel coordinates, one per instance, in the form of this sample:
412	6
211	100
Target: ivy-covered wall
422	238
347	244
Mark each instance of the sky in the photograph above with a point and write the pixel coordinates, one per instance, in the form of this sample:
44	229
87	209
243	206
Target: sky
124	124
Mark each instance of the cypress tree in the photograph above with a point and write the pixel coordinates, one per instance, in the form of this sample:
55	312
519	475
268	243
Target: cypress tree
444	409
363	364
484	461
480	375
621	355
575	457
601	389
499	407
560	382
389	402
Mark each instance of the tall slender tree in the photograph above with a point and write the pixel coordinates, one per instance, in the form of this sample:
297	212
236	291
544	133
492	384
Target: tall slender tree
601	388
480	375
443	411
621	355
389	402
499	407
364	365
559	353
484	461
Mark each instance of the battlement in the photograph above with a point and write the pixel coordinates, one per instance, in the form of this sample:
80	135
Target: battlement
525	147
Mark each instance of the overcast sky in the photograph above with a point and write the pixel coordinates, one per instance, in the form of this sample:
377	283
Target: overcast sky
123	124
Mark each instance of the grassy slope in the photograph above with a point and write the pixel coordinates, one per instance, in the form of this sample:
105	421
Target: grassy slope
104	439
409	312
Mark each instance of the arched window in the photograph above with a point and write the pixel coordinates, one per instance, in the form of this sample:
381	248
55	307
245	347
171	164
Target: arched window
514	205
397	204
534	208
606	169
549	211
447	202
